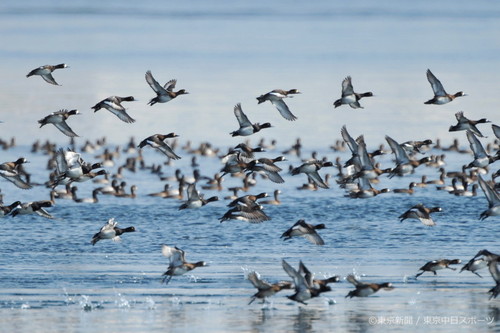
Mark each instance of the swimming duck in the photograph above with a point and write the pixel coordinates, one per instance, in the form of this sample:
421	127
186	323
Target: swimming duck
266	289
46	72
157	141
306	230
440	95
132	194
366	289
88	176
110	231
162	194
58	119
214	183
178	264
163	94
439	181
409	190
276	98
113	105
246	127
365	190
463	124
434	265
465	192
349	96
93	199
275	201
421	213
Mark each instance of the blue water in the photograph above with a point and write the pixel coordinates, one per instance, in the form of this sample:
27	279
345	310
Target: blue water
53	280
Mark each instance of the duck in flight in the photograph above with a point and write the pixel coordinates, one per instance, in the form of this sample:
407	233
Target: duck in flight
163	94
440	95
114	105
276	98
349	96
58	119
246	127
178	264
46	72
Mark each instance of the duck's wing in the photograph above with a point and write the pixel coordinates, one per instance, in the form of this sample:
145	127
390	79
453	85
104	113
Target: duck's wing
347	88
273	176
170	85
65	129
475	145
364	184
493	268
254	278
349	140
355	105
399	152
283	109
490	194
73	159
122	115
154	84
49	78
110	225
167	150
436	85
61	163
364	159
352	279
255	216
298	280
268	165
192	193
496	130
241	116
60	112
316	178
14	177
16	180
426	220
460	117
314	238
174	254
308	276
44	213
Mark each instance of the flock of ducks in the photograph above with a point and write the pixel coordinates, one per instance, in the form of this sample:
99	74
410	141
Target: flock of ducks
357	176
